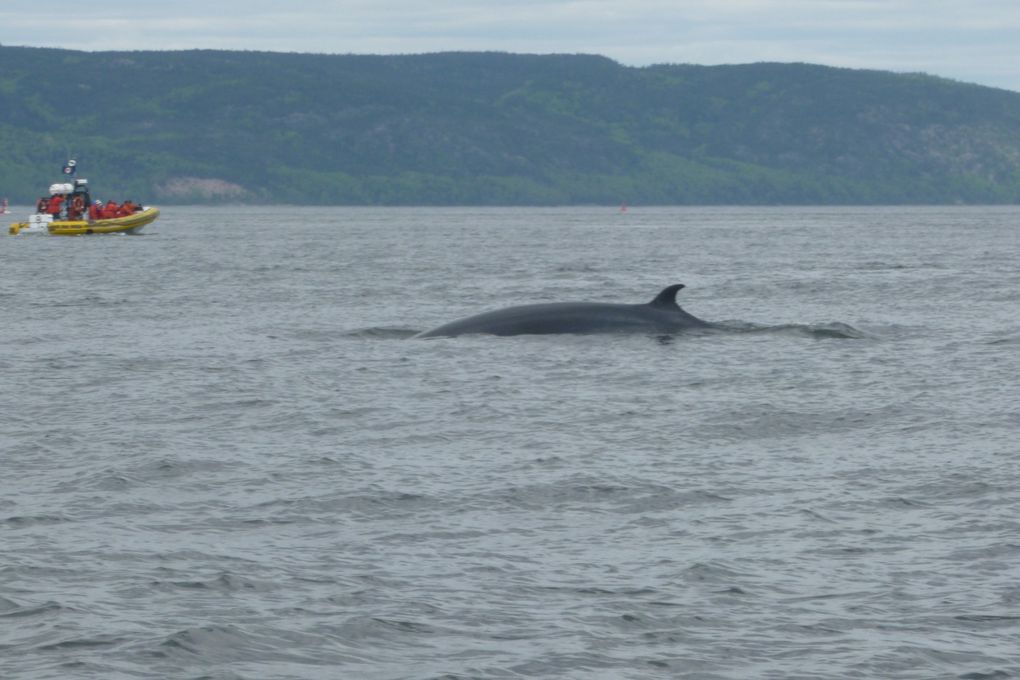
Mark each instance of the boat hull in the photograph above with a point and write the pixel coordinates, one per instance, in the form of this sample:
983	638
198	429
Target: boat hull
129	224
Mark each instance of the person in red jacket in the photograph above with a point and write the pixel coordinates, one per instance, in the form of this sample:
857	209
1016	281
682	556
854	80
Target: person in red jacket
55	205
109	210
96	210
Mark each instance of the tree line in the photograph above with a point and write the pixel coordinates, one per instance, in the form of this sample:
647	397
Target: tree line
497	129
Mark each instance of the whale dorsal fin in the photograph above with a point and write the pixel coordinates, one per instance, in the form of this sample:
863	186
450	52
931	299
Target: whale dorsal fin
667	298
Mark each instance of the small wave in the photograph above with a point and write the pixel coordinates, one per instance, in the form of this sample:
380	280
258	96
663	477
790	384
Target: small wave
224	582
987	618
20	521
900	501
878	265
82	643
1014	340
380	333
712	571
207	642
11	609
364	627
815	515
826	331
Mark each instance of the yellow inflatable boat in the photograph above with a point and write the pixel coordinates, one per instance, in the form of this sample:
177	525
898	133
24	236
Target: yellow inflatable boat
44	224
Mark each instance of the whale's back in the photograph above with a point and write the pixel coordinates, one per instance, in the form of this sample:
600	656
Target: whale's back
661	315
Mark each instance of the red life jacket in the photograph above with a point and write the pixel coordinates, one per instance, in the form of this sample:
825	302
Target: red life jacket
55	203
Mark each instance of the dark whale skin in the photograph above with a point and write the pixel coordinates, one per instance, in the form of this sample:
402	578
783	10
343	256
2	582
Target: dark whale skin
660	316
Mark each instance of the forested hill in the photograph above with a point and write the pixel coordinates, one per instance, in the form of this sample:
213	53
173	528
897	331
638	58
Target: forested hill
494	128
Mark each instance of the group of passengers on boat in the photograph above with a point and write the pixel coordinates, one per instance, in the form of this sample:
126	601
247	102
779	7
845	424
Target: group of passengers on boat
72	202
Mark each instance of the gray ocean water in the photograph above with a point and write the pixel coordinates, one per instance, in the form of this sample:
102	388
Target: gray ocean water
223	456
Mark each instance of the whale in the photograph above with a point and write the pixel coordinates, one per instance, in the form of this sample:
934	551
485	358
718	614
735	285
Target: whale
661	316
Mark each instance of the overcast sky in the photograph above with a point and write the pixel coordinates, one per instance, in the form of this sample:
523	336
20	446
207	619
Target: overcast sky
971	40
